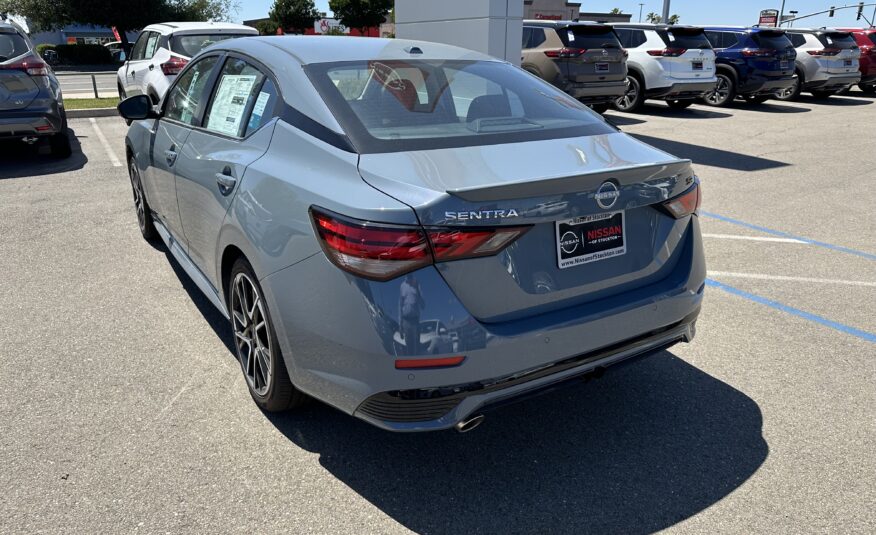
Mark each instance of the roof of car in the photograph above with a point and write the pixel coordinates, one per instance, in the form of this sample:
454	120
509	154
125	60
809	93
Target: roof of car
327	48
560	23
649	26
815	30
180	26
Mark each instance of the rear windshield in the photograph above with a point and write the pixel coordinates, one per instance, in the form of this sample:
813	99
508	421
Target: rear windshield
189	45
402	105
12	45
838	40
587	37
689	39
774	40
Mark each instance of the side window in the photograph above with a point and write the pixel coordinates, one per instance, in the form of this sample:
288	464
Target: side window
638	39
139	46
797	39
715	39
264	105
151	45
237	90
527	36
624	36
537	37
188	92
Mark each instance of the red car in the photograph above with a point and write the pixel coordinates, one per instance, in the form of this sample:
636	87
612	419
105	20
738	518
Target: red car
866	39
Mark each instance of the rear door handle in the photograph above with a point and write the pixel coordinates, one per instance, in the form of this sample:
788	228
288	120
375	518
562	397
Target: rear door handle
151	67
170	155
225	180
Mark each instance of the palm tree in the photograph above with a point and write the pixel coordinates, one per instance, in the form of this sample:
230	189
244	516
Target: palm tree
653	18
616	11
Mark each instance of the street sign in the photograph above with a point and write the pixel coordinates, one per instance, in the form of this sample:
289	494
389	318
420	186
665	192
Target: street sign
769	18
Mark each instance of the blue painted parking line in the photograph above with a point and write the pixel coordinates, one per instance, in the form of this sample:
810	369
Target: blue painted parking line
840	248
868	336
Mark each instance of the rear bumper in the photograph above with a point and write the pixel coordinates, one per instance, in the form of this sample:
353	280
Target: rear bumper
29	122
340	337
682	90
837	82
597	92
868	79
760	85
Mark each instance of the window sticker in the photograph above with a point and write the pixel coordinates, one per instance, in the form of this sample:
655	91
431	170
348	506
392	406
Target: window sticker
230	103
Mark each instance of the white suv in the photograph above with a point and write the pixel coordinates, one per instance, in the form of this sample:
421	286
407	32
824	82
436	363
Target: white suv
162	50
827	62
671	63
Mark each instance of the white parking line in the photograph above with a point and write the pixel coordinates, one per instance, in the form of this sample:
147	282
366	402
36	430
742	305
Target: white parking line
106	146
763	276
753	238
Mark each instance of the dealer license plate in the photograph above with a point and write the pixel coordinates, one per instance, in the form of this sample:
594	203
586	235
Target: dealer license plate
602	67
590	238
697	65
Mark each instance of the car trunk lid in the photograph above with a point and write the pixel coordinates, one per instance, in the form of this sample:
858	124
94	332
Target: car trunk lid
597	188
688	54
17	88
593	54
775	53
840	54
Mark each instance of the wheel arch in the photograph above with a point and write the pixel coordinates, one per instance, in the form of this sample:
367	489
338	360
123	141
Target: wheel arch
727	69
229	256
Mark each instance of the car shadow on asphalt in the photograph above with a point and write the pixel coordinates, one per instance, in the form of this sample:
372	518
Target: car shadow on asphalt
773	107
856	100
696	111
636	451
21	160
713	157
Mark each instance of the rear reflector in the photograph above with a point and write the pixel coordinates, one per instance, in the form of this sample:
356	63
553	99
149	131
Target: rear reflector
174	65
685	204
381	251
565	52
667	52
410	364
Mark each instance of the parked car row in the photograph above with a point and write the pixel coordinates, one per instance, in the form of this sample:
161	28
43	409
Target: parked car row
685	64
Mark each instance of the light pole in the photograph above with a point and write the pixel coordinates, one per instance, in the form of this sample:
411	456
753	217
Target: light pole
665	12
640	11
781	12
793	13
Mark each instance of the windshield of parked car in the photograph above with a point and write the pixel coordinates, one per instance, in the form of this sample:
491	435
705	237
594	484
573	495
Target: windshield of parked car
773	40
587	37
843	41
12	45
687	38
189	44
401	105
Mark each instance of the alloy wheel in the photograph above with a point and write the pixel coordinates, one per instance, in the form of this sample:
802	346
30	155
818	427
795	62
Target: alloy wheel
251	334
631	96
788	92
721	93
139	202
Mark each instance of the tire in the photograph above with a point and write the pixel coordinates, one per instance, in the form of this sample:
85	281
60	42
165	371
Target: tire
599	108
821	95
634	97
757	99
59	144
257	348
141	205
792	93
676	104
869	89
724	92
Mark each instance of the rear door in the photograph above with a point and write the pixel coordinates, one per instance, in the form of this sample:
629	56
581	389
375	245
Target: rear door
594	54
688	54
775	53
840	54
182	111
138	66
235	132
17	89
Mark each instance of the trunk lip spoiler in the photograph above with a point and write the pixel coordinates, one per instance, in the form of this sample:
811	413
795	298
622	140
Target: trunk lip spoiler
561	185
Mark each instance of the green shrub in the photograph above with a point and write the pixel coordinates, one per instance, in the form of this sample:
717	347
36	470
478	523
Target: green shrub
43	47
83	54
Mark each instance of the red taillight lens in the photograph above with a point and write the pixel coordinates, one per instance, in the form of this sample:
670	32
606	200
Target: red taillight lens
565	52
685	204
174	65
32	66
381	251
758	52
408	364
824	52
668	52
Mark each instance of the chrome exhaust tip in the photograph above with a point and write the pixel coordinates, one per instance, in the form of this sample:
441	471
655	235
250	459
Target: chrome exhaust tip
469	423
30	140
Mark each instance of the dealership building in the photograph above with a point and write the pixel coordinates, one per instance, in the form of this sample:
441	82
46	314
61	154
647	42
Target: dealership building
562	10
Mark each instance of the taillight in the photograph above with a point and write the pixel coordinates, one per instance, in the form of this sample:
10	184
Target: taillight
685	204
667	52
758	52
825	52
32	66
565	52
381	251
445	362
174	65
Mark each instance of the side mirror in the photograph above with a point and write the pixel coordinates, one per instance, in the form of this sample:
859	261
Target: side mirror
442	330
138	107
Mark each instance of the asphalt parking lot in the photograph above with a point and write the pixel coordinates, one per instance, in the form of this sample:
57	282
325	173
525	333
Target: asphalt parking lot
123	408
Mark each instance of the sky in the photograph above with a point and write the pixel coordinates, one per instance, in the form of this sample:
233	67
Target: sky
734	12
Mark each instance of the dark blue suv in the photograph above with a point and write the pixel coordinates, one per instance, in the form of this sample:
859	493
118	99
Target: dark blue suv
752	63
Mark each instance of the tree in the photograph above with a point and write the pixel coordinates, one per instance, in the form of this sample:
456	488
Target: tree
674	19
267	27
616	11
294	16
132	15
361	14
654	18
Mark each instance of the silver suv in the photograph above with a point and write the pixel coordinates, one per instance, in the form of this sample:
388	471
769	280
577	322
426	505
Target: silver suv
827	62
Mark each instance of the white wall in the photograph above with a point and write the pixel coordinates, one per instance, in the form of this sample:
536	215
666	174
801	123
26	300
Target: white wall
494	27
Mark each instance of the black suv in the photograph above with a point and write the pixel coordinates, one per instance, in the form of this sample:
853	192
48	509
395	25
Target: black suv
31	106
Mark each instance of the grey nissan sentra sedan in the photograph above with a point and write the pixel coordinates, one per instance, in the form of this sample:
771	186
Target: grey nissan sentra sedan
412	232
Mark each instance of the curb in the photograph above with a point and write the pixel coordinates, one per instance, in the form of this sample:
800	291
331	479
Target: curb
92	112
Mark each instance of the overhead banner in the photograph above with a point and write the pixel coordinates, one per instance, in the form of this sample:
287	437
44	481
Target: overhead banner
769	18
